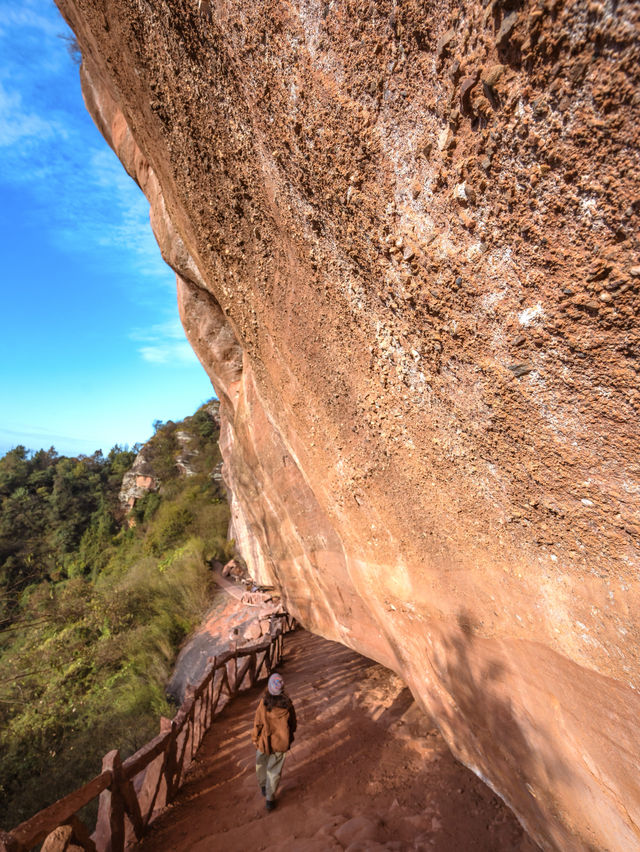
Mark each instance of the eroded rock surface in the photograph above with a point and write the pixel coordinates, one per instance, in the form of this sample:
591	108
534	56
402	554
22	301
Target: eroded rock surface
406	242
138	481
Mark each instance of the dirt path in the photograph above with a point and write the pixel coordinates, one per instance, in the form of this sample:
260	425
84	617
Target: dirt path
367	772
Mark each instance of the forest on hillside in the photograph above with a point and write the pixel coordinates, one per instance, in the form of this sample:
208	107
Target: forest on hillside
94	603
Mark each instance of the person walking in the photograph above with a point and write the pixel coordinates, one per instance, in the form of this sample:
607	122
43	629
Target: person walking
273	729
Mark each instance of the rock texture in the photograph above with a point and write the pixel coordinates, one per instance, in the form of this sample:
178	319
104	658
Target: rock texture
138	481
406	243
188	446
143	476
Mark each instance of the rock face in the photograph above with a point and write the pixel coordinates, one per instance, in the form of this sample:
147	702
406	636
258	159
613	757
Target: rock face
188	447
406	243
143	476
138	481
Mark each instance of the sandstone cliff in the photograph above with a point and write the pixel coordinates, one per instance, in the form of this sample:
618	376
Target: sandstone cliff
405	235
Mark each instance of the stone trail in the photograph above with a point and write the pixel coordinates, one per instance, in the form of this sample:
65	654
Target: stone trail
367	771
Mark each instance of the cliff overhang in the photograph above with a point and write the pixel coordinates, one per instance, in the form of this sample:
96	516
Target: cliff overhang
406	244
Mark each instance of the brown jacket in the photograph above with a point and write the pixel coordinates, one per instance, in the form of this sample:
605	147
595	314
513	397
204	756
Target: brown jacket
274	724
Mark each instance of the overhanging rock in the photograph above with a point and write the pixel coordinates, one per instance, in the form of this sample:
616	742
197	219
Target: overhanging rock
405	238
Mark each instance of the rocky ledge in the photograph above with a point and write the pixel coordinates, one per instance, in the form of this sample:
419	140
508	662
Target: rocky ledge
406	244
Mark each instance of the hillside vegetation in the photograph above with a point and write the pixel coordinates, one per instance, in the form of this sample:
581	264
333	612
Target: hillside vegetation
94	605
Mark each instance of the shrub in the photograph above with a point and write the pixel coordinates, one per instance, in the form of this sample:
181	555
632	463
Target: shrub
97	612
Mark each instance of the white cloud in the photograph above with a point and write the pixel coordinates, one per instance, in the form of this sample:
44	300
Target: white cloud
177	354
27	17
69	193
131	226
18	124
50	149
165	343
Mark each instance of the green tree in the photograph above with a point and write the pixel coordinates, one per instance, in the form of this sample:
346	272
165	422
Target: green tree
92	612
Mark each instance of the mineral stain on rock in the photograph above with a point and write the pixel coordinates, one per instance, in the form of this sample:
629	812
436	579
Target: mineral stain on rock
245	124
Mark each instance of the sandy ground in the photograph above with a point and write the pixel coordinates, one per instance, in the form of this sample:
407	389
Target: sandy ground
367	772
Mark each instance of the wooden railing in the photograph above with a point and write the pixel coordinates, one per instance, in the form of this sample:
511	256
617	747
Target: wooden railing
132	793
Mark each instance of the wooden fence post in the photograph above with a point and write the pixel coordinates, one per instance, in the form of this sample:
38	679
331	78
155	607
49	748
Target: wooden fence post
210	690
191	724
109	834
235	668
171	765
198	727
206	697
132	808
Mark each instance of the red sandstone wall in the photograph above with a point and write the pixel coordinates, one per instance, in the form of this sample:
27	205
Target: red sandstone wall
406	239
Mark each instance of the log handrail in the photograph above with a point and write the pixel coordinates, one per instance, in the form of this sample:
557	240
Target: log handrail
34	830
132	792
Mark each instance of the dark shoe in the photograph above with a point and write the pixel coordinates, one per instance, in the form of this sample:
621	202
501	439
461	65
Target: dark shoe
263	790
270	805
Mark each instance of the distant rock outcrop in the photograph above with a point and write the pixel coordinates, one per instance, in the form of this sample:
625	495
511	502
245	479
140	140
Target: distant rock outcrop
406	244
143	476
188	448
138	481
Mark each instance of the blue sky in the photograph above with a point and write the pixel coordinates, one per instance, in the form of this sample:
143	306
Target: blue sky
91	347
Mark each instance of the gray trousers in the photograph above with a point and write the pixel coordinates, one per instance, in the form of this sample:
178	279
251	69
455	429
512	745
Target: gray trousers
268	769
